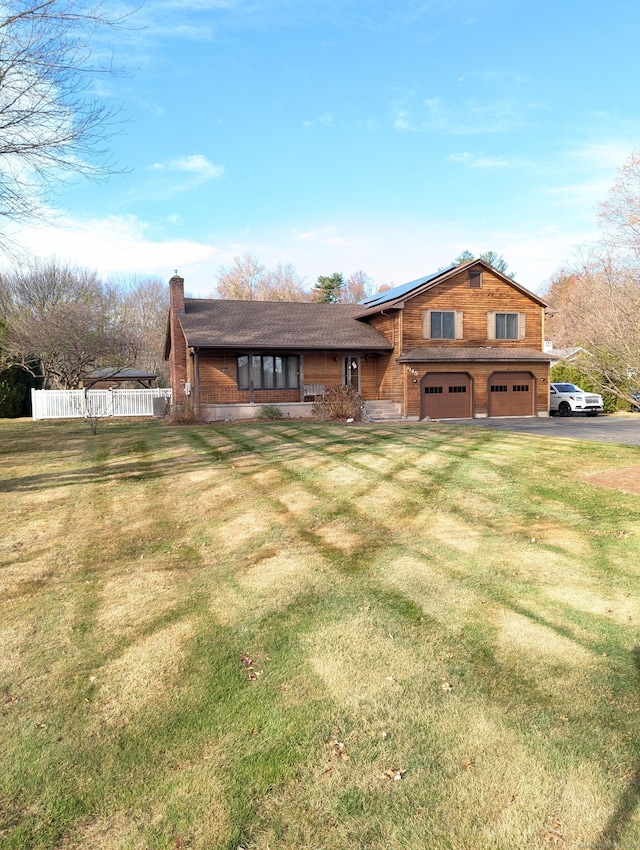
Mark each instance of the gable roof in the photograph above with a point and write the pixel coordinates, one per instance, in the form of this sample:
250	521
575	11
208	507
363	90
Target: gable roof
394	298
281	325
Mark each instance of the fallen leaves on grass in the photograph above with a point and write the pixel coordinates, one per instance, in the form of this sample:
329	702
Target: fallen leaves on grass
339	750
251	670
468	764
553	836
394	773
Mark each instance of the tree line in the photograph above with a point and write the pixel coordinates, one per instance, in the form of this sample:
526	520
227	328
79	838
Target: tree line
58	322
246	279
595	300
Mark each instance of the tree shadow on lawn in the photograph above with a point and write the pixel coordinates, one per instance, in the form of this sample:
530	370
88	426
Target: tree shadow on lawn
133	470
615	827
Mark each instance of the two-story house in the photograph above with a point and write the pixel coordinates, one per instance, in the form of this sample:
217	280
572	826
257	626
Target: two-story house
466	341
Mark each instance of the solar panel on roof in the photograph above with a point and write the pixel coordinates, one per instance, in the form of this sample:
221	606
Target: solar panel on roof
400	290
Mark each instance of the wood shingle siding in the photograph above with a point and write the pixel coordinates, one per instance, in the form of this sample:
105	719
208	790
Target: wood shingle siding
475	304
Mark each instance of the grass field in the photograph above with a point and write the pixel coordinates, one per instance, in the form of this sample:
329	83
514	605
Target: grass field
296	635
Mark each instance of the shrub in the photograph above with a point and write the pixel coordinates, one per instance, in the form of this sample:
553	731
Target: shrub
269	411
338	404
186	412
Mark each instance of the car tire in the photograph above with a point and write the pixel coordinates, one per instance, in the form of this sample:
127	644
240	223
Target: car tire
564	409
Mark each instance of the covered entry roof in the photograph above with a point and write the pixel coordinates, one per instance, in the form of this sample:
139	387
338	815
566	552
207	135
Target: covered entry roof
449	353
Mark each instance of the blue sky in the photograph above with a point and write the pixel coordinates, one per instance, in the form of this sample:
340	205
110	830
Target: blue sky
342	135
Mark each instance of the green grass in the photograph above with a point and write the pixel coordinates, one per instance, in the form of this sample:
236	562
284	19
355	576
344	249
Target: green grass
230	636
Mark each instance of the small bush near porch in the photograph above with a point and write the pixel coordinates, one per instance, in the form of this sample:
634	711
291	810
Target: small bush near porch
299	635
339	403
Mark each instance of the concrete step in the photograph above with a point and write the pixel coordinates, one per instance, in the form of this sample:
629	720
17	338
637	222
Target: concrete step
382	409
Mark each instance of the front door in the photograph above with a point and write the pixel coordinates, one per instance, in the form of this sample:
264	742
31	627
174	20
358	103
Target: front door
351	372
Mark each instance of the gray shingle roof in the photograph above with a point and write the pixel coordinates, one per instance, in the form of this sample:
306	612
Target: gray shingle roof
282	325
443	353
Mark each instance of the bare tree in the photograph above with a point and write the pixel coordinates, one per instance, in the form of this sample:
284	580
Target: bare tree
596	306
60	322
620	212
51	125
144	314
357	286
282	284
248	280
240	281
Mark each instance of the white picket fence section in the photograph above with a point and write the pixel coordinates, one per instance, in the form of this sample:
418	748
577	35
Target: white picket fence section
77	404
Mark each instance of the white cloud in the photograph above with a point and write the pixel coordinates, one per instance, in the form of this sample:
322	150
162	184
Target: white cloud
471	116
480	160
195	164
114	245
389	250
327	119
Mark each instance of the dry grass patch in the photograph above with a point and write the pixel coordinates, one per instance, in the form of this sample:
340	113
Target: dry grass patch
357	659
383	501
380	464
192	790
120	831
298	500
626	479
346	476
536	565
573	541
446	530
245	526
440	597
135	598
271	584
14	641
561	666
597	599
143	675
339	535
221	497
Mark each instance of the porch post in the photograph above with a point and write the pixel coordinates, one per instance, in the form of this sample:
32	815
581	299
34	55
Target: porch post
301	375
196	376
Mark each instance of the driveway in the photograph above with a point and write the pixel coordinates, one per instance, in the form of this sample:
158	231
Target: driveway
616	428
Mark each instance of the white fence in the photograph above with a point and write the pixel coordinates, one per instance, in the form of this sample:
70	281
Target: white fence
77	404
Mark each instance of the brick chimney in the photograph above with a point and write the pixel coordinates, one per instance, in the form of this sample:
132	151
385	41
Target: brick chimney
178	350
176	293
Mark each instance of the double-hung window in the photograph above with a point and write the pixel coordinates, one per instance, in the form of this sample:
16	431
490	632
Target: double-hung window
442	324
268	371
506	325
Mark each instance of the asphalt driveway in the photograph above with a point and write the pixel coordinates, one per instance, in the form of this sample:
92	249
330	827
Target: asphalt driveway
615	428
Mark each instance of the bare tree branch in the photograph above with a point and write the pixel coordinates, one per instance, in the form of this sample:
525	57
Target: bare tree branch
52	125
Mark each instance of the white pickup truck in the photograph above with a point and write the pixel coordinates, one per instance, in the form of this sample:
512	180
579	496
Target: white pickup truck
567	399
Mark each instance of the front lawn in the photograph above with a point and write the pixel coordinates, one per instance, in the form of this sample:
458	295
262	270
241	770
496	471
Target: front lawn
278	636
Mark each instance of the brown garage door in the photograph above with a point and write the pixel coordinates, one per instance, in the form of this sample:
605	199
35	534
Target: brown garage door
511	394
445	395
